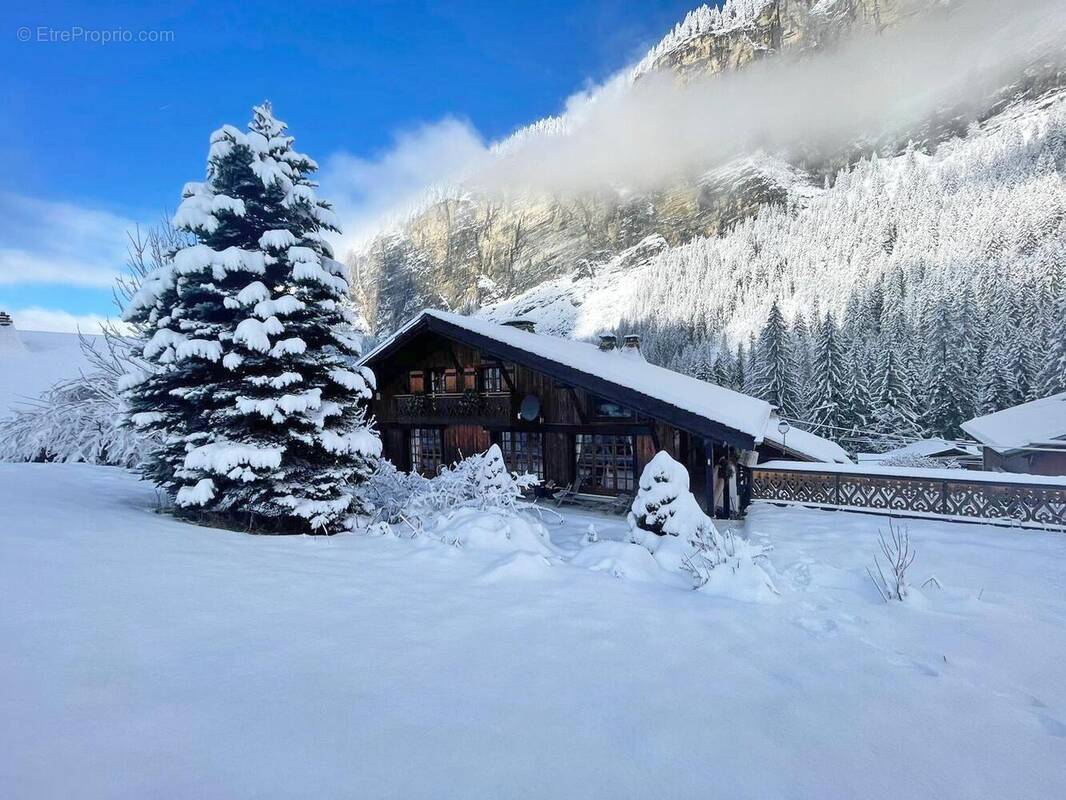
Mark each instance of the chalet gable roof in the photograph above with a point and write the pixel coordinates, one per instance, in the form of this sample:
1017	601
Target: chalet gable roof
1037	422
691	404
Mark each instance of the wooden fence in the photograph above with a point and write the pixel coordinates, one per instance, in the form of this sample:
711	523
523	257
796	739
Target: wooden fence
1006	501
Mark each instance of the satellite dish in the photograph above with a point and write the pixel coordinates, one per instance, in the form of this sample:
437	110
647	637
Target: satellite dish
530	408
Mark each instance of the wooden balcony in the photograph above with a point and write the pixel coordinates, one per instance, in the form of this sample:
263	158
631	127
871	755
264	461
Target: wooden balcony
445	409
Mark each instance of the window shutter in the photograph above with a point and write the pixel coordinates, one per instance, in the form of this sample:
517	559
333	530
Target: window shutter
418	383
451	380
470	379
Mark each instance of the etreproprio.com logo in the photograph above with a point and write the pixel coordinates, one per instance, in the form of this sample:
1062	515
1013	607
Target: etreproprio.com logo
76	34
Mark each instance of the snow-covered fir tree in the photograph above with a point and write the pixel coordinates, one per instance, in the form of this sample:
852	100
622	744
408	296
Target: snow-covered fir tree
775	368
827	400
256	395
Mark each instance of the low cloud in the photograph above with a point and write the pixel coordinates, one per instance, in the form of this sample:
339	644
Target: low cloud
60	243
642	135
367	190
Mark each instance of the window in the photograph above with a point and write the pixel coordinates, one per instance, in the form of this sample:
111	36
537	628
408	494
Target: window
602	407
436	381
427	450
523	451
605	462
491	379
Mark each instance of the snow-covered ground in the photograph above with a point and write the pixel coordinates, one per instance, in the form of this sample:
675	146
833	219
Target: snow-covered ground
33	361
143	657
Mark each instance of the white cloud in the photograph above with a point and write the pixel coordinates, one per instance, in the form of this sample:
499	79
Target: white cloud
53	242
366	191
50	319
642	135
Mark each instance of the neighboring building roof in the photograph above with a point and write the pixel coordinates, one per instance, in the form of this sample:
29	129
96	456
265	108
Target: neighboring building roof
923	448
1033	423
34	361
691	404
805	444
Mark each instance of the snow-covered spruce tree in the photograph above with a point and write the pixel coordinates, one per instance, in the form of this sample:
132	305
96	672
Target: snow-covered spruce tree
827	399
774	366
895	414
256	397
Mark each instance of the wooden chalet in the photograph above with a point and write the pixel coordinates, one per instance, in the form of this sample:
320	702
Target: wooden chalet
585	419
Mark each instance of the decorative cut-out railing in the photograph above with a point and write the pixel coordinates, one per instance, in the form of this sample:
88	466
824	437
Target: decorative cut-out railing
443	408
1033	501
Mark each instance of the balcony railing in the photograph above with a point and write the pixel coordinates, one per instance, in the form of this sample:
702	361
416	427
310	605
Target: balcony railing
452	407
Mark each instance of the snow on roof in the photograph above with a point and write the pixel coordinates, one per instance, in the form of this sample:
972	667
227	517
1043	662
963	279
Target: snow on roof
1030	423
805	444
923	448
41	360
735	410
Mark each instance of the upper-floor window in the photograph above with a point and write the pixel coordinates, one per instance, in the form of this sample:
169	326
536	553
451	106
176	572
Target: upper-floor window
602	407
491	379
437	382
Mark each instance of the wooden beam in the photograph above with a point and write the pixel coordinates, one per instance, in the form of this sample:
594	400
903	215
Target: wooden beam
506	376
581	415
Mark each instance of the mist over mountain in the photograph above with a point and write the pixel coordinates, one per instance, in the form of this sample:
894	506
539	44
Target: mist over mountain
885	161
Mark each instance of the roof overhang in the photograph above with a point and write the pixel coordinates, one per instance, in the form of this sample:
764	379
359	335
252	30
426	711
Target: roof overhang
651	406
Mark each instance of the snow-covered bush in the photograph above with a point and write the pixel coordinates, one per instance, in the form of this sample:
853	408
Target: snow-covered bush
253	388
479	481
77	420
83	419
471	502
667	521
921	462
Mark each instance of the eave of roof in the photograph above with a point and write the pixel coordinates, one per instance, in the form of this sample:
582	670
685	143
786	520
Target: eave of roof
451	326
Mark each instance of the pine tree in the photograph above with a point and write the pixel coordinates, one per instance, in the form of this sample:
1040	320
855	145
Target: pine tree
253	385
994	385
827	400
774	368
944	386
1052	379
894	409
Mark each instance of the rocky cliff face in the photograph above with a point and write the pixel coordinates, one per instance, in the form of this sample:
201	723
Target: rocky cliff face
471	249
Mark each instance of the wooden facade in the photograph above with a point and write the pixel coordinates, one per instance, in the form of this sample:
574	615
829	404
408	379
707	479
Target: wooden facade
444	393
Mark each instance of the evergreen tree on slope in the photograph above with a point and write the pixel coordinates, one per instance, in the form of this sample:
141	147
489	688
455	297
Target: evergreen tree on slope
829	379
1052	379
256	393
774	368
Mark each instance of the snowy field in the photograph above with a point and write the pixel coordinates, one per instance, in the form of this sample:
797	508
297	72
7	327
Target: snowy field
143	657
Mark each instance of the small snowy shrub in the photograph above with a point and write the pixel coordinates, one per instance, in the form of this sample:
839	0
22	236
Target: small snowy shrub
667	521
899	557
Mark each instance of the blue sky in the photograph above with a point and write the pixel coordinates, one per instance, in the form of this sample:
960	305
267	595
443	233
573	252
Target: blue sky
98	137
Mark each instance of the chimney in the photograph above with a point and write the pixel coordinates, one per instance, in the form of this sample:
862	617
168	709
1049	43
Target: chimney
608	342
632	343
526	325
5	319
